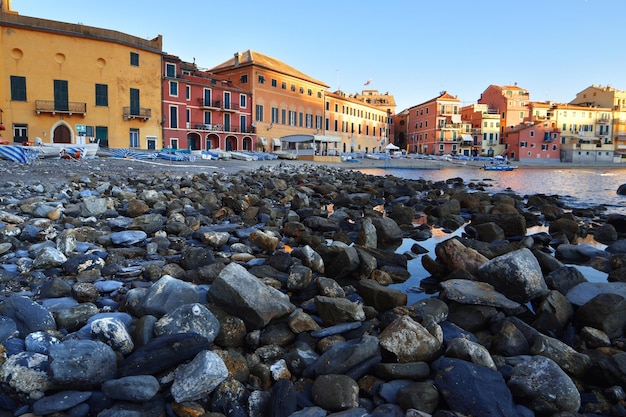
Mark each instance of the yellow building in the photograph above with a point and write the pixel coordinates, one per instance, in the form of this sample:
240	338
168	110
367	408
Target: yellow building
615	101
69	83
289	102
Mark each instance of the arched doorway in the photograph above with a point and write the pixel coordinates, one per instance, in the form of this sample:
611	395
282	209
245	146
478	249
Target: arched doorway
212	142
247	144
62	134
193	141
231	143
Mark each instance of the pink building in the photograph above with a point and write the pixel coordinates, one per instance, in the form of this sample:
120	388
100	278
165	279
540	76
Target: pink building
435	127
204	111
510	102
534	141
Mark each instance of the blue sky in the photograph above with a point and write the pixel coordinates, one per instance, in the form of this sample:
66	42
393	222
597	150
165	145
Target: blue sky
412	49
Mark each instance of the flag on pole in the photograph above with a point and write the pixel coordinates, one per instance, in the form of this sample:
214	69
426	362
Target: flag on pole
368	82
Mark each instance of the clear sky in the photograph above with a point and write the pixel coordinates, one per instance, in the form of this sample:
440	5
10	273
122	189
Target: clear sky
412	49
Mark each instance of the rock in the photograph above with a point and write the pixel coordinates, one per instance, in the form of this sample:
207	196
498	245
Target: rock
241	294
511	224
517	275
572	362
387	231
198	378
114	333
605	312
128	237
335	392
189	318
139	388
26	372
380	297
490	231
27	315
454	255
568	227
605	234
564	279
60	401
338	310
167	294
477	293
422	396
81	363
467	350
621	190
542	386
471	389
283	401
343	356
408	341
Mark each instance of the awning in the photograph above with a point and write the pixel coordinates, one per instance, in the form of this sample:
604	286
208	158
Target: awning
263	140
275	141
467	138
456	118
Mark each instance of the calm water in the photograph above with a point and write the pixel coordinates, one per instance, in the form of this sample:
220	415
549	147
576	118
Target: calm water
577	187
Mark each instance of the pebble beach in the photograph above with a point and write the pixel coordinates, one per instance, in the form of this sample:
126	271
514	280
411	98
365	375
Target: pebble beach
263	288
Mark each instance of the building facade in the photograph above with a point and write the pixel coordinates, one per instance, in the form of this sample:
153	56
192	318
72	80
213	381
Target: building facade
484	124
510	102
203	111
288	102
611	98
435	127
70	83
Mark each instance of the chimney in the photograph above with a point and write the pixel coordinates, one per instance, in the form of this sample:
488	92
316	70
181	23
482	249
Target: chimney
236	59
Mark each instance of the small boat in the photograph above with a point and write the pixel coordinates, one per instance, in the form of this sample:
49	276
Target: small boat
242	156
498	167
286	155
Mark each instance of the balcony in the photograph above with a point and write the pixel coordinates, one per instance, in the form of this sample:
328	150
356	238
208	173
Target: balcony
218	104
218	127
68	107
140	113
450	126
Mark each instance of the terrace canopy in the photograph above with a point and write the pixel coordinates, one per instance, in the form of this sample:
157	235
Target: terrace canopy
308	144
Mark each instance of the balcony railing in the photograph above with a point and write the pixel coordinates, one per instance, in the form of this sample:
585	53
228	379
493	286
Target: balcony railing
218	104
141	113
218	127
68	107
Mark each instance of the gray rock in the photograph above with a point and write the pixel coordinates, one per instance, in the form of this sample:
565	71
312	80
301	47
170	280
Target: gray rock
467	350
343	356
128	237
82	363
567	358
49	258
422	396
198	378
309	258
167	294
189	318
408	341
387	231
338	310
93	206
543	387
335	392
584	292
26	372
606	312
114	333
476	293
241	294
139	388
380	297
28	315
60	401
517	275
39	342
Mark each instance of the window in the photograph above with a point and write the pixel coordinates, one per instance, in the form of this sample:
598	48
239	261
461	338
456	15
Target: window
61	95
274	83
283	116
292	118
173	88
20	133
523	144
188	117
207	118
259	112
188	92
274	118
532	133
134	102
544	147
102	95
207	97
18	88
309	120
301	119
243	123
243	79
242	101
170	70
134	138
301	90
309	92
174	117
318	122
293	87
134	59
261	79
283	85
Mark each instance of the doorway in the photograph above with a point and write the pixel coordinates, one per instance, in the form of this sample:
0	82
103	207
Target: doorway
62	134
